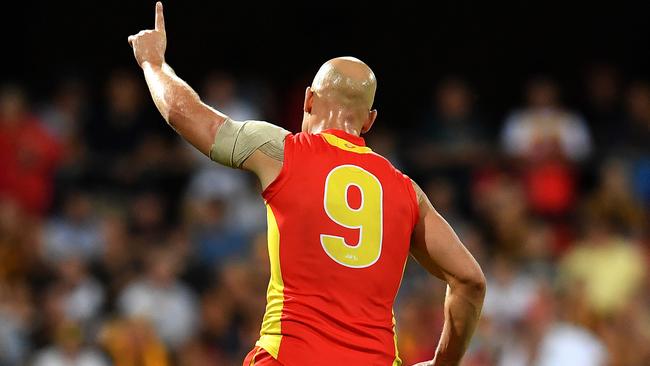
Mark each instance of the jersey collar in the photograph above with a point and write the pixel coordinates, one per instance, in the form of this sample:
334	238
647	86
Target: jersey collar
356	140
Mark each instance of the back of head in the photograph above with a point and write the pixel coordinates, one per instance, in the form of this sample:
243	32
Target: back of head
345	83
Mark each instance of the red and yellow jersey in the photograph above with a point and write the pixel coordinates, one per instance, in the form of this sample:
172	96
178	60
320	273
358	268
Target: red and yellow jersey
340	219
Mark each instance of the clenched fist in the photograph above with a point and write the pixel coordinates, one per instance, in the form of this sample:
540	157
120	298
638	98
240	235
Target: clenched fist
149	45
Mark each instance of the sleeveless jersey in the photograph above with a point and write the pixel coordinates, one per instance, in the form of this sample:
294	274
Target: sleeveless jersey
340	219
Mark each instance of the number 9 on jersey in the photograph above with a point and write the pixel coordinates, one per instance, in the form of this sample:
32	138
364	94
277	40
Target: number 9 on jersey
367	218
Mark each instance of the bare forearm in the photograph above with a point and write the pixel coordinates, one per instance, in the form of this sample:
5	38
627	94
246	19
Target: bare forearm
181	106
462	310
167	90
437	248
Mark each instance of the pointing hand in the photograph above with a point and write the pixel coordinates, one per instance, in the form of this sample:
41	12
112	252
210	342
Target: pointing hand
149	45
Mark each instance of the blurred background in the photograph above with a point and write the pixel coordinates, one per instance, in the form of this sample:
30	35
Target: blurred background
528	125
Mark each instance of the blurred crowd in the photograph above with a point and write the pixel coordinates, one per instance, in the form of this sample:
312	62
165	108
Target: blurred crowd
120	245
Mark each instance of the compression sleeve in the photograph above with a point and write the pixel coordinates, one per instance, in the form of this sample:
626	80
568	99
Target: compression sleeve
237	141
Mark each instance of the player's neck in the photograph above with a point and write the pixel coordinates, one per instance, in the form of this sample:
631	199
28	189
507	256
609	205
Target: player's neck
335	121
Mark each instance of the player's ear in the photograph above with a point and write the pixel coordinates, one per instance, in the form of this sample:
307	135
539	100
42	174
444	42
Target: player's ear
372	116
309	100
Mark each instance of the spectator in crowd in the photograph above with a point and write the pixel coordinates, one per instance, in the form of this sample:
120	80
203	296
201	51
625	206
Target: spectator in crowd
443	195
161	298
635	145
547	140
500	201
75	232
222	90
537	253
614	199
16	316
83	296
216	343
565	339
544	128
65	117
608	266
116	267
66	113
235	190
602	106
115	135
148	221
636	129
552	337
237	278
133	342
454	131
511	294
18	243
122	125
626	331
68	349
29	155
214	240
452	139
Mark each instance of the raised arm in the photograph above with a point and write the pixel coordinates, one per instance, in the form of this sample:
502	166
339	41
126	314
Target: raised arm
177	102
207	129
437	248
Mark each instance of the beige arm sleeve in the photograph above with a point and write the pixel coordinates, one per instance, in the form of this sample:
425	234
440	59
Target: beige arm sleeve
236	141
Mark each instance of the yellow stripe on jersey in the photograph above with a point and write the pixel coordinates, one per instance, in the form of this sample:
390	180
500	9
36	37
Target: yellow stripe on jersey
345	145
397	361
270	335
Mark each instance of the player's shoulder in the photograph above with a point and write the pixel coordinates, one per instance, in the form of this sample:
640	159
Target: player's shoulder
403	184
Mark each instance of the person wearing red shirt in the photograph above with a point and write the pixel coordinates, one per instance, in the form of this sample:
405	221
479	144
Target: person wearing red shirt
28	155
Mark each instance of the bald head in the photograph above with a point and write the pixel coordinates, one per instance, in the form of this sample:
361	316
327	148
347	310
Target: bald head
347	82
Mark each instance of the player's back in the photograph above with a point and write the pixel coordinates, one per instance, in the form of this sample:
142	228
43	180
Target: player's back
340	220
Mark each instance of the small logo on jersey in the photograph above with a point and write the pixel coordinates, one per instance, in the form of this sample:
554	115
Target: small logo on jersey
350	146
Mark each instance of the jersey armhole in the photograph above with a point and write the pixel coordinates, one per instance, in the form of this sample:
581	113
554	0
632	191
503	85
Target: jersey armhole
282	178
415	207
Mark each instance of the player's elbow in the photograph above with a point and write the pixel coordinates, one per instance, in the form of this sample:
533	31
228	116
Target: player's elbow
471	282
478	285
